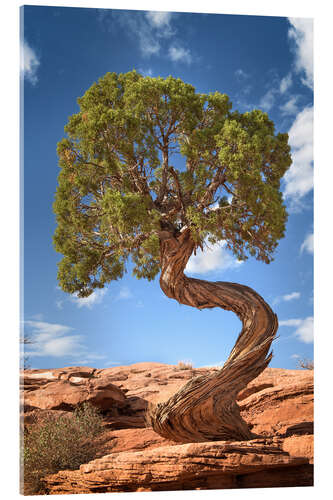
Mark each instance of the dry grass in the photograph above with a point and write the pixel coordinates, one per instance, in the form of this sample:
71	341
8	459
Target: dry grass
58	443
305	363
185	365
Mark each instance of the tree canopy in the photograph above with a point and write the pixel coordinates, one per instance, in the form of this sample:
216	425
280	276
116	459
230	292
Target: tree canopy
146	155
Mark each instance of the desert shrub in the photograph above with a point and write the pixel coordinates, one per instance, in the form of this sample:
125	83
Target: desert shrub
306	364
184	365
59	443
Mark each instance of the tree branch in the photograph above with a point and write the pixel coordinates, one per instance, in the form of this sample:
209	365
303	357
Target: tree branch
217	180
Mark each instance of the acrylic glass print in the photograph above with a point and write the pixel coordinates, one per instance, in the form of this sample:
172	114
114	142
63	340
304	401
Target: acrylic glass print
167	162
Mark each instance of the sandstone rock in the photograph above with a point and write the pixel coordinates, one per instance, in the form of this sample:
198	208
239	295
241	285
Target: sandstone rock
277	408
67	393
299	446
272	403
207	465
131	440
278	405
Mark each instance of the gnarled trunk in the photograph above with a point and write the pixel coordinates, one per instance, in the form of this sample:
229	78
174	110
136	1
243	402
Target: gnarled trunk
205	409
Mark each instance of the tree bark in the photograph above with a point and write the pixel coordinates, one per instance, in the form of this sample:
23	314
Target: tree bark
205	408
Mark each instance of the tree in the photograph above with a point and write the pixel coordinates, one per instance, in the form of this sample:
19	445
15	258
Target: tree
26	340
152	170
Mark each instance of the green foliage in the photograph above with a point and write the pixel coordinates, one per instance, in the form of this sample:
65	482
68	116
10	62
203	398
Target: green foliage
59	443
117	186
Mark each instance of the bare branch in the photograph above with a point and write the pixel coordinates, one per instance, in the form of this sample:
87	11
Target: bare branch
178	189
217	180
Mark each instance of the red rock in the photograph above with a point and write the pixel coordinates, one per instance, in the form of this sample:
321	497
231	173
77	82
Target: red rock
277	408
299	446
208	465
71	391
278	405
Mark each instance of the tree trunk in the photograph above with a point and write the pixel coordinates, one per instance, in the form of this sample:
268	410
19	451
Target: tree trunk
205	409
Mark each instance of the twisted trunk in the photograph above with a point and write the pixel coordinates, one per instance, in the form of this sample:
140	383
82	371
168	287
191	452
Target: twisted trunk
205	409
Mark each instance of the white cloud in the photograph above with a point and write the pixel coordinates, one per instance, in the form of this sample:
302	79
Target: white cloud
29	63
285	83
287	297
59	303
159	19
51	339
213	258
179	54
54	340
88	358
148	45
295	356
109	363
301	32
42	330
291	296
299	178
95	298
124	293
37	317
147	29
241	74
146	72
290	322
290	107
267	101
308	244
304	330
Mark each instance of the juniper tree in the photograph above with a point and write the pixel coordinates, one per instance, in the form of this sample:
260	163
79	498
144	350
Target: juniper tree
151	170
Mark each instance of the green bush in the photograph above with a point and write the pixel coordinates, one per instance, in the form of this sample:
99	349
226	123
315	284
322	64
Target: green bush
59	443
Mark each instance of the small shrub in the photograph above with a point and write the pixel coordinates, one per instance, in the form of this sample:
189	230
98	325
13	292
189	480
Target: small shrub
59	443
184	365
306	364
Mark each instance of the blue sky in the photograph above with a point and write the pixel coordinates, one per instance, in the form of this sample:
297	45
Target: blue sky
260	62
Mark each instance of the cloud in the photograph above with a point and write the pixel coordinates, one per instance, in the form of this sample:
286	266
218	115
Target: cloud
308	244
301	34
146	72
290	107
287	298
55	340
267	101
109	363
285	83
51	339
124	294
37	317
159	20
241	74
299	178
290	322
179	54
95	298
304	330
147	29
29	63
213	258
59	303
291	296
